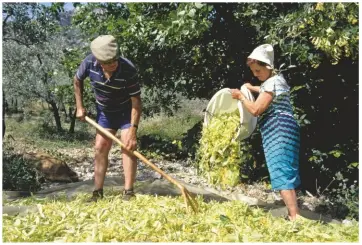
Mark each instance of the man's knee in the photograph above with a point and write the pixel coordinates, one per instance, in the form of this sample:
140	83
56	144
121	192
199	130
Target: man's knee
103	146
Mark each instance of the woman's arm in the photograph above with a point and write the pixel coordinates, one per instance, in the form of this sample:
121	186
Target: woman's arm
255	89
255	108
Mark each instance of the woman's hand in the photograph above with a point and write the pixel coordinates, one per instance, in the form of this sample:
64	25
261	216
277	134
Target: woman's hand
248	86
236	94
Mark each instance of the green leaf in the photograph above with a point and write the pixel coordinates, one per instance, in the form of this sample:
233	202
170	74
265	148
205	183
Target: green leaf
224	218
181	13
192	13
353	165
336	153
199	5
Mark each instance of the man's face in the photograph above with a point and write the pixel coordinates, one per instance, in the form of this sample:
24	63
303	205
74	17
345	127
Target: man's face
110	66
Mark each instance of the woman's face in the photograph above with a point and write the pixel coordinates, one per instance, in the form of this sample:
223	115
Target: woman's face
260	72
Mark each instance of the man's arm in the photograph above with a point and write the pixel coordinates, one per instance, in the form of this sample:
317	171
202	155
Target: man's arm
78	92
136	111
131	138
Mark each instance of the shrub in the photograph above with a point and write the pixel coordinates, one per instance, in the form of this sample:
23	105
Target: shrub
19	174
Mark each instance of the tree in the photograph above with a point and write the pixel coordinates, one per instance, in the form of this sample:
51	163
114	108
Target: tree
21	72
32	51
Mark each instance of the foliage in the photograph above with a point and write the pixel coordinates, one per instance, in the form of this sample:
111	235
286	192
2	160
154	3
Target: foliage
341	193
32	48
18	173
219	156
28	23
344	200
304	39
149	32
160	219
195	49
31	84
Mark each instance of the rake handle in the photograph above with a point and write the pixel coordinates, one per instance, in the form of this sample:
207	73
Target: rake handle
137	154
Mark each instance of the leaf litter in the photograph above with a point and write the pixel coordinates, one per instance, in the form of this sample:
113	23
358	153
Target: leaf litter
160	219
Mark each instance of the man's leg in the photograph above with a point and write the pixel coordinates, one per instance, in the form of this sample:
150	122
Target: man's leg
290	200
102	147
129	165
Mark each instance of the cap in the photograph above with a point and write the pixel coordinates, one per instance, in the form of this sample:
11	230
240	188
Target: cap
104	48
264	53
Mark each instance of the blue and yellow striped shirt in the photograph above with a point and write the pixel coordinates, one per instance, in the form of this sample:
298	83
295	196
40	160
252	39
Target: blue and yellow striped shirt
112	94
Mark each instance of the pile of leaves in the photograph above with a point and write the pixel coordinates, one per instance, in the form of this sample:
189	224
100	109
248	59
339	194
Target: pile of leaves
160	219
219	155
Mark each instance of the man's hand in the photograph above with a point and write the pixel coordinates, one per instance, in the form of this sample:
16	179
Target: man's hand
81	113
130	141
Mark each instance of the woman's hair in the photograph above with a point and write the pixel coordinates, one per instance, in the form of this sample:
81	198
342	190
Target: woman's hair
250	61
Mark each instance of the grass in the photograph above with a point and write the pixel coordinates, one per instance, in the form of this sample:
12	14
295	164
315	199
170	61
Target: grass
40	136
172	128
160	219
167	128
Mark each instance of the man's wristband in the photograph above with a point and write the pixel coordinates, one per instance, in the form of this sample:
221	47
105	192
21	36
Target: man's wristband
134	125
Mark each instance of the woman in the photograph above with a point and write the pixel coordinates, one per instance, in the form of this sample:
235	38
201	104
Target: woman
279	129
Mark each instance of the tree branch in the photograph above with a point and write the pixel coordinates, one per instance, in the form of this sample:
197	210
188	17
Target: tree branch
18	41
38	56
4	22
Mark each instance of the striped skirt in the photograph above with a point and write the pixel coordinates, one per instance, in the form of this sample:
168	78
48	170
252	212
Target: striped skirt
281	142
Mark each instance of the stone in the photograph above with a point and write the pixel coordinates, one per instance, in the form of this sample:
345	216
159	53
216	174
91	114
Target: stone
157	175
53	169
347	222
251	201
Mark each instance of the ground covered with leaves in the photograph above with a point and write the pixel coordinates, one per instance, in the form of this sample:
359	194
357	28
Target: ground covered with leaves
160	219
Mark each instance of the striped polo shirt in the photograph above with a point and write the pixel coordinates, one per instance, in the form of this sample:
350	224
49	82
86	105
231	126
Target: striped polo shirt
112	94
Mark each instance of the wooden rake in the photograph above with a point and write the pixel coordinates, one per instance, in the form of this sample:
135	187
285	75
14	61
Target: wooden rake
189	200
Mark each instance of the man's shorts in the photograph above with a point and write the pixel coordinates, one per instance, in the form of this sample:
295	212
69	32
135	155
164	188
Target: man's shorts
114	120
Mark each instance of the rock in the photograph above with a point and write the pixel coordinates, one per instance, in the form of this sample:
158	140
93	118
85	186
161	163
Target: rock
347	222
157	175
53	169
249	200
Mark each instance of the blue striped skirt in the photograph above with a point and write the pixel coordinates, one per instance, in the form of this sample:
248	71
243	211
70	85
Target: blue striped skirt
281	143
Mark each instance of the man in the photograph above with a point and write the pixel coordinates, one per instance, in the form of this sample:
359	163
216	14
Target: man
117	91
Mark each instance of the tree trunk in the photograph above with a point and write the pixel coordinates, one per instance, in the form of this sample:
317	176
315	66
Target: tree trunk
70	113
72	122
62	108
16	106
56	115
